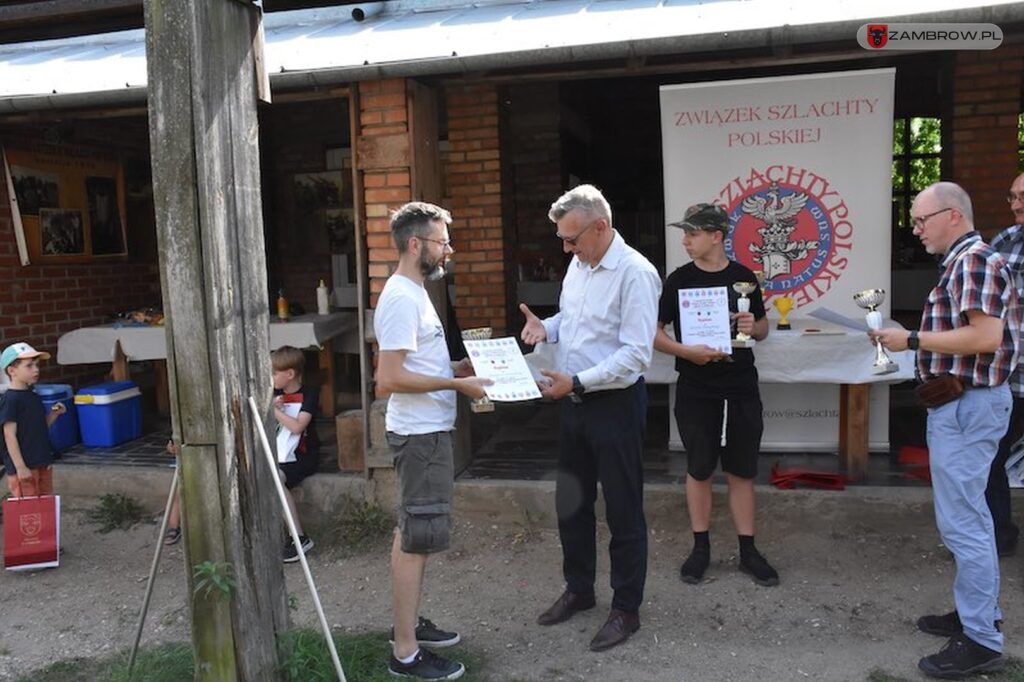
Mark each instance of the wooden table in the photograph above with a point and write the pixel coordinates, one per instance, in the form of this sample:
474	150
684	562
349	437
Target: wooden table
122	345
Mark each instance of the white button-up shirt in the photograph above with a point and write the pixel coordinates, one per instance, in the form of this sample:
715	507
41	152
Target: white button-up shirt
607	318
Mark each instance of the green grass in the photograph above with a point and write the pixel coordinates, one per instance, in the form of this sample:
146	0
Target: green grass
1012	672
361	527
303	654
116	511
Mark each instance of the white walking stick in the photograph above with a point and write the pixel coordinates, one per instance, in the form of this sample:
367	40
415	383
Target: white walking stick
258	419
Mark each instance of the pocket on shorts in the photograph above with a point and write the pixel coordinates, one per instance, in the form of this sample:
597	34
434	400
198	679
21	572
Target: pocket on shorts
426	528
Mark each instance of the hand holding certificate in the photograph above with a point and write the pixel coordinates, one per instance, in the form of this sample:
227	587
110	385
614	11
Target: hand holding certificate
704	318
501	361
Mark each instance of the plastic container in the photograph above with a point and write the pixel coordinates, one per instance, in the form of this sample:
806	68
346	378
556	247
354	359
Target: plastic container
109	413
64	431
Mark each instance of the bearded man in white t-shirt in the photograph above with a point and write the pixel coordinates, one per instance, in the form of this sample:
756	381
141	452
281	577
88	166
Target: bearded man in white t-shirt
415	368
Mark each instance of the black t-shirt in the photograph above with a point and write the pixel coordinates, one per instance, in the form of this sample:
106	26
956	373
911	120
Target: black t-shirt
25	408
308	449
721	379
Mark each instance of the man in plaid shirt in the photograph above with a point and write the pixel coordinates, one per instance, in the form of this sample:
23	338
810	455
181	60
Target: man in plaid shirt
969	329
1010	244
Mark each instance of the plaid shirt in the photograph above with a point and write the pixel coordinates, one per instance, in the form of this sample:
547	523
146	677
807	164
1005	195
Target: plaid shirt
975	277
1010	245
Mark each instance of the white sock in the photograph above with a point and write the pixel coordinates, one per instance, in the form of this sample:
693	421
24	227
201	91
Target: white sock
410	658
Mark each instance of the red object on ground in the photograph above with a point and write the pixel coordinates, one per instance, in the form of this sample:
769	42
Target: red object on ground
31	532
917	459
788	479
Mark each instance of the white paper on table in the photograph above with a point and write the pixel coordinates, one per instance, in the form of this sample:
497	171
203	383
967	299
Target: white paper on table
287	441
704	318
829	315
501	361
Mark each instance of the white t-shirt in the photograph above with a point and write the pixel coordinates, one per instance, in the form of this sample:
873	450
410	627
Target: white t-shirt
405	319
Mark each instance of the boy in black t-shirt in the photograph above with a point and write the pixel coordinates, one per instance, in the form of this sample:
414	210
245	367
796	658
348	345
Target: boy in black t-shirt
718	405
25	445
288	365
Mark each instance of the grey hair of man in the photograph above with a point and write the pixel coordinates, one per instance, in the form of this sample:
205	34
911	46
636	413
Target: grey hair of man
415	219
585	198
952	195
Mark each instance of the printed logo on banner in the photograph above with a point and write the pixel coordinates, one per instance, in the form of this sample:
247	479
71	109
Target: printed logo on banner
878	35
30	525
790	224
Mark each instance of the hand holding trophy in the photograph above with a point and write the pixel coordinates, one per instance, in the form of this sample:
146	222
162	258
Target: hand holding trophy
742	339
480	333
870	299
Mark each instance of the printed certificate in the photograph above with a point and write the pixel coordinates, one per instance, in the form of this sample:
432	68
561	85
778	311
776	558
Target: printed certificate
501	361
704	318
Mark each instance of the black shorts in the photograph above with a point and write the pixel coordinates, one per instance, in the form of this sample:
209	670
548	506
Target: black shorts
298	471
700	427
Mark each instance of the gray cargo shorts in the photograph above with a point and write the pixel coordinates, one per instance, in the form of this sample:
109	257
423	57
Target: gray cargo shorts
426	480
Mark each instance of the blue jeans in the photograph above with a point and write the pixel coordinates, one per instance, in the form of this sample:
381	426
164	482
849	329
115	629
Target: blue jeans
963	437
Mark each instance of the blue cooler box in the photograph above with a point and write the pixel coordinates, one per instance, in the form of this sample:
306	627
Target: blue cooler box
109	413
64	431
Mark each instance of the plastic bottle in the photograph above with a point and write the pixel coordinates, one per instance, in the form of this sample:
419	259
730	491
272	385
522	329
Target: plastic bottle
322	304
282	306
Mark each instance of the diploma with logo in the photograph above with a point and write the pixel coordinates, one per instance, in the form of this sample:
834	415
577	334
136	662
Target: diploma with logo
704	318
501	361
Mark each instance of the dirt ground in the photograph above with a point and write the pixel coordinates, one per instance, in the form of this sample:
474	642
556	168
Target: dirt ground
856	573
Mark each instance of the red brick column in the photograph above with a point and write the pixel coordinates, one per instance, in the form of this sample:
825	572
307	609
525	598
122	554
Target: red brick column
383	156
986	104
473	170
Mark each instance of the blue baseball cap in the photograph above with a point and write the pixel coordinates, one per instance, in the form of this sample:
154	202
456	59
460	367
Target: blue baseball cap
17	351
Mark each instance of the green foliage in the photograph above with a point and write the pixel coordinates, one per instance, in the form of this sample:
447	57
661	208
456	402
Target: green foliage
1013	671
116	511
361	526
214	579
165	663
293	602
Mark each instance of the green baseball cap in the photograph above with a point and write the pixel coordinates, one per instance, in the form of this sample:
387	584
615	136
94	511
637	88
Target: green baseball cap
704	217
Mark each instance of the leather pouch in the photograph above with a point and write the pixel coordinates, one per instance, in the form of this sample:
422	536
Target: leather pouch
940	390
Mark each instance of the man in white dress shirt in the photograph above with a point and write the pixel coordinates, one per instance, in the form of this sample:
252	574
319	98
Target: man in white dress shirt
604	333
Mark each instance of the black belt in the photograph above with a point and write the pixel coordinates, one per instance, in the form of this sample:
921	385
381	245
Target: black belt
590	396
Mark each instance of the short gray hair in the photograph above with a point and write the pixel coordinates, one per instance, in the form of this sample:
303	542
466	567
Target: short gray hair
952	195
585	198
414	220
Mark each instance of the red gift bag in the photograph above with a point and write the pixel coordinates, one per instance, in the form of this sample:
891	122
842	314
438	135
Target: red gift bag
31	532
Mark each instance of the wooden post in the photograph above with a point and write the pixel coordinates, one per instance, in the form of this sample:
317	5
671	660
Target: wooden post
853	428
206	184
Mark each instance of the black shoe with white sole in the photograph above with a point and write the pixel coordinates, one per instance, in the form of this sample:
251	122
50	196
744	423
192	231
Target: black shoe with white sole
428	634
427	666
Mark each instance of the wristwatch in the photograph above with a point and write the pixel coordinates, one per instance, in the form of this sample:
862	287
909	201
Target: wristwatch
913	342
577	388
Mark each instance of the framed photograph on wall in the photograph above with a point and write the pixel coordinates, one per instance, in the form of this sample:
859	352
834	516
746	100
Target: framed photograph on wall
61	231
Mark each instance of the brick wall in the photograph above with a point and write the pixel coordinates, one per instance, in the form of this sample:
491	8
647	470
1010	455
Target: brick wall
986	104
473	182
383	111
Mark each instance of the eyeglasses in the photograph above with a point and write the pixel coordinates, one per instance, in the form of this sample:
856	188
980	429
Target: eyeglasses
445	243
571	241
921	220
1014	196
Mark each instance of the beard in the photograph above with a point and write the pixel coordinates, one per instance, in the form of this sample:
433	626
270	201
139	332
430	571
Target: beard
432	269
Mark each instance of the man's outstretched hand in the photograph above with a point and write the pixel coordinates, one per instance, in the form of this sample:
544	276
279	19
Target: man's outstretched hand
533	331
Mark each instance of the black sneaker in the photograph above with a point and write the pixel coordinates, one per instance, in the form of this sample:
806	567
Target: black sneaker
428	634
959	658
427	666
692	570
291	555
946	625
757	566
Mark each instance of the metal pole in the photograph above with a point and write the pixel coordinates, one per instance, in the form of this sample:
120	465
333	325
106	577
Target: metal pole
295	536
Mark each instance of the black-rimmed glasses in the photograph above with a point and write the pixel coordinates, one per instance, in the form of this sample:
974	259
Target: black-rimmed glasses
919	221
571	241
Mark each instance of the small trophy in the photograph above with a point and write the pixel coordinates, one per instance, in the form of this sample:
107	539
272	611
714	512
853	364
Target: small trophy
783	304
742	339
479	334
869	299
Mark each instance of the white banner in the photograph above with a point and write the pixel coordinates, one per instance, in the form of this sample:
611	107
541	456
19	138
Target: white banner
803	165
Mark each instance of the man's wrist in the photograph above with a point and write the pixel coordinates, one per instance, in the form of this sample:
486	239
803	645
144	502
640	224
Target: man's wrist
913	341
577	386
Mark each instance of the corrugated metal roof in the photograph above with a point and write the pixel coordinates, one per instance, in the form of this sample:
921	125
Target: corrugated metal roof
404	37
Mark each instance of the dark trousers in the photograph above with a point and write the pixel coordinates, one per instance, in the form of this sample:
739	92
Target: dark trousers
602	439
997	494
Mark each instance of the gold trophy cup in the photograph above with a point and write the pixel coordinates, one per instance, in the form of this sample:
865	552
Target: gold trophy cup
869	299
743	340
479	334
783	304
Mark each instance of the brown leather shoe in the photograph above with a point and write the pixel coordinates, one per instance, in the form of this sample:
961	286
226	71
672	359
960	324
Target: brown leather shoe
616	630
567	605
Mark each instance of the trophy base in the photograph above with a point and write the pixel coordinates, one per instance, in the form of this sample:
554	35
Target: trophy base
783	326
743	343
885	368
483	405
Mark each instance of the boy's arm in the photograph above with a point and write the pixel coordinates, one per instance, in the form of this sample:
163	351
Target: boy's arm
294	424
57	410
11	438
